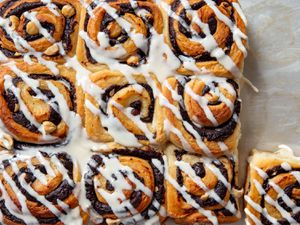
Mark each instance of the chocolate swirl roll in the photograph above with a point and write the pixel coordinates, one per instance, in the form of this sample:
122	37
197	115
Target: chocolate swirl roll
117	31
126	112
39	28
126	187
209	32
273	188
40	189
201	190
37	107
202	113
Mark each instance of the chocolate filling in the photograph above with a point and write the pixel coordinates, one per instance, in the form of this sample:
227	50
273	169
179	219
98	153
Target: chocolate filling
54	117
62	191
219	133
123	37
220	188
136	105
136	196
28	37
8	53
69	28
177	7
272	173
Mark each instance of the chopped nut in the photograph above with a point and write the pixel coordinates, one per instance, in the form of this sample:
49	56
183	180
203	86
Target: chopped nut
133	60
14	22
49	127
189	16
17	107
114	30
6	142
17	54
68	11
204	197
212	97
31	28
113	222
238	192
52	50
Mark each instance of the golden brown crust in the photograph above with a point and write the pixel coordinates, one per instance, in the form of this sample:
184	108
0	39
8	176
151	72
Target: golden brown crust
13	112
187	114
141	24
182	43
62	26
181	167
56	185
136	178
272	186
139	97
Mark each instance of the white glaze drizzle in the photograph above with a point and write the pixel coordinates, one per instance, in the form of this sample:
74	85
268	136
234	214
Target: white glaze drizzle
25	214
191	201
161	60
117	174
203	103
32	17
280	194
187	169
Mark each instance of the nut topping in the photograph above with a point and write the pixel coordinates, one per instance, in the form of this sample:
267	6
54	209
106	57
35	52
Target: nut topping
68	11
31	28
49	127
52	50
14	22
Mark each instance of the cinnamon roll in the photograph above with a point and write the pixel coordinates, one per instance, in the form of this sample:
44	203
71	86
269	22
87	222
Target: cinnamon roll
39	28
37	107
210	33
40	189
117	32
126	187
202	113
124	111
201	190
273	188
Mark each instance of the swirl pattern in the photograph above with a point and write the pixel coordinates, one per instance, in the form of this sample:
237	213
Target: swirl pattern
124	28
124	112
209	32
39	28
126	186
39	190
35	104
202	113
273	189
200	189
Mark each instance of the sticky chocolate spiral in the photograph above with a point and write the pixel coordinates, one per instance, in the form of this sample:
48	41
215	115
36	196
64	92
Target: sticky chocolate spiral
125	29
125	186
207	109
33	103
273	189
38	189
36	26
209	183
191	26
126	104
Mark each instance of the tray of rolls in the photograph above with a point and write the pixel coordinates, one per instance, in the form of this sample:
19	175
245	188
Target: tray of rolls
131	112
